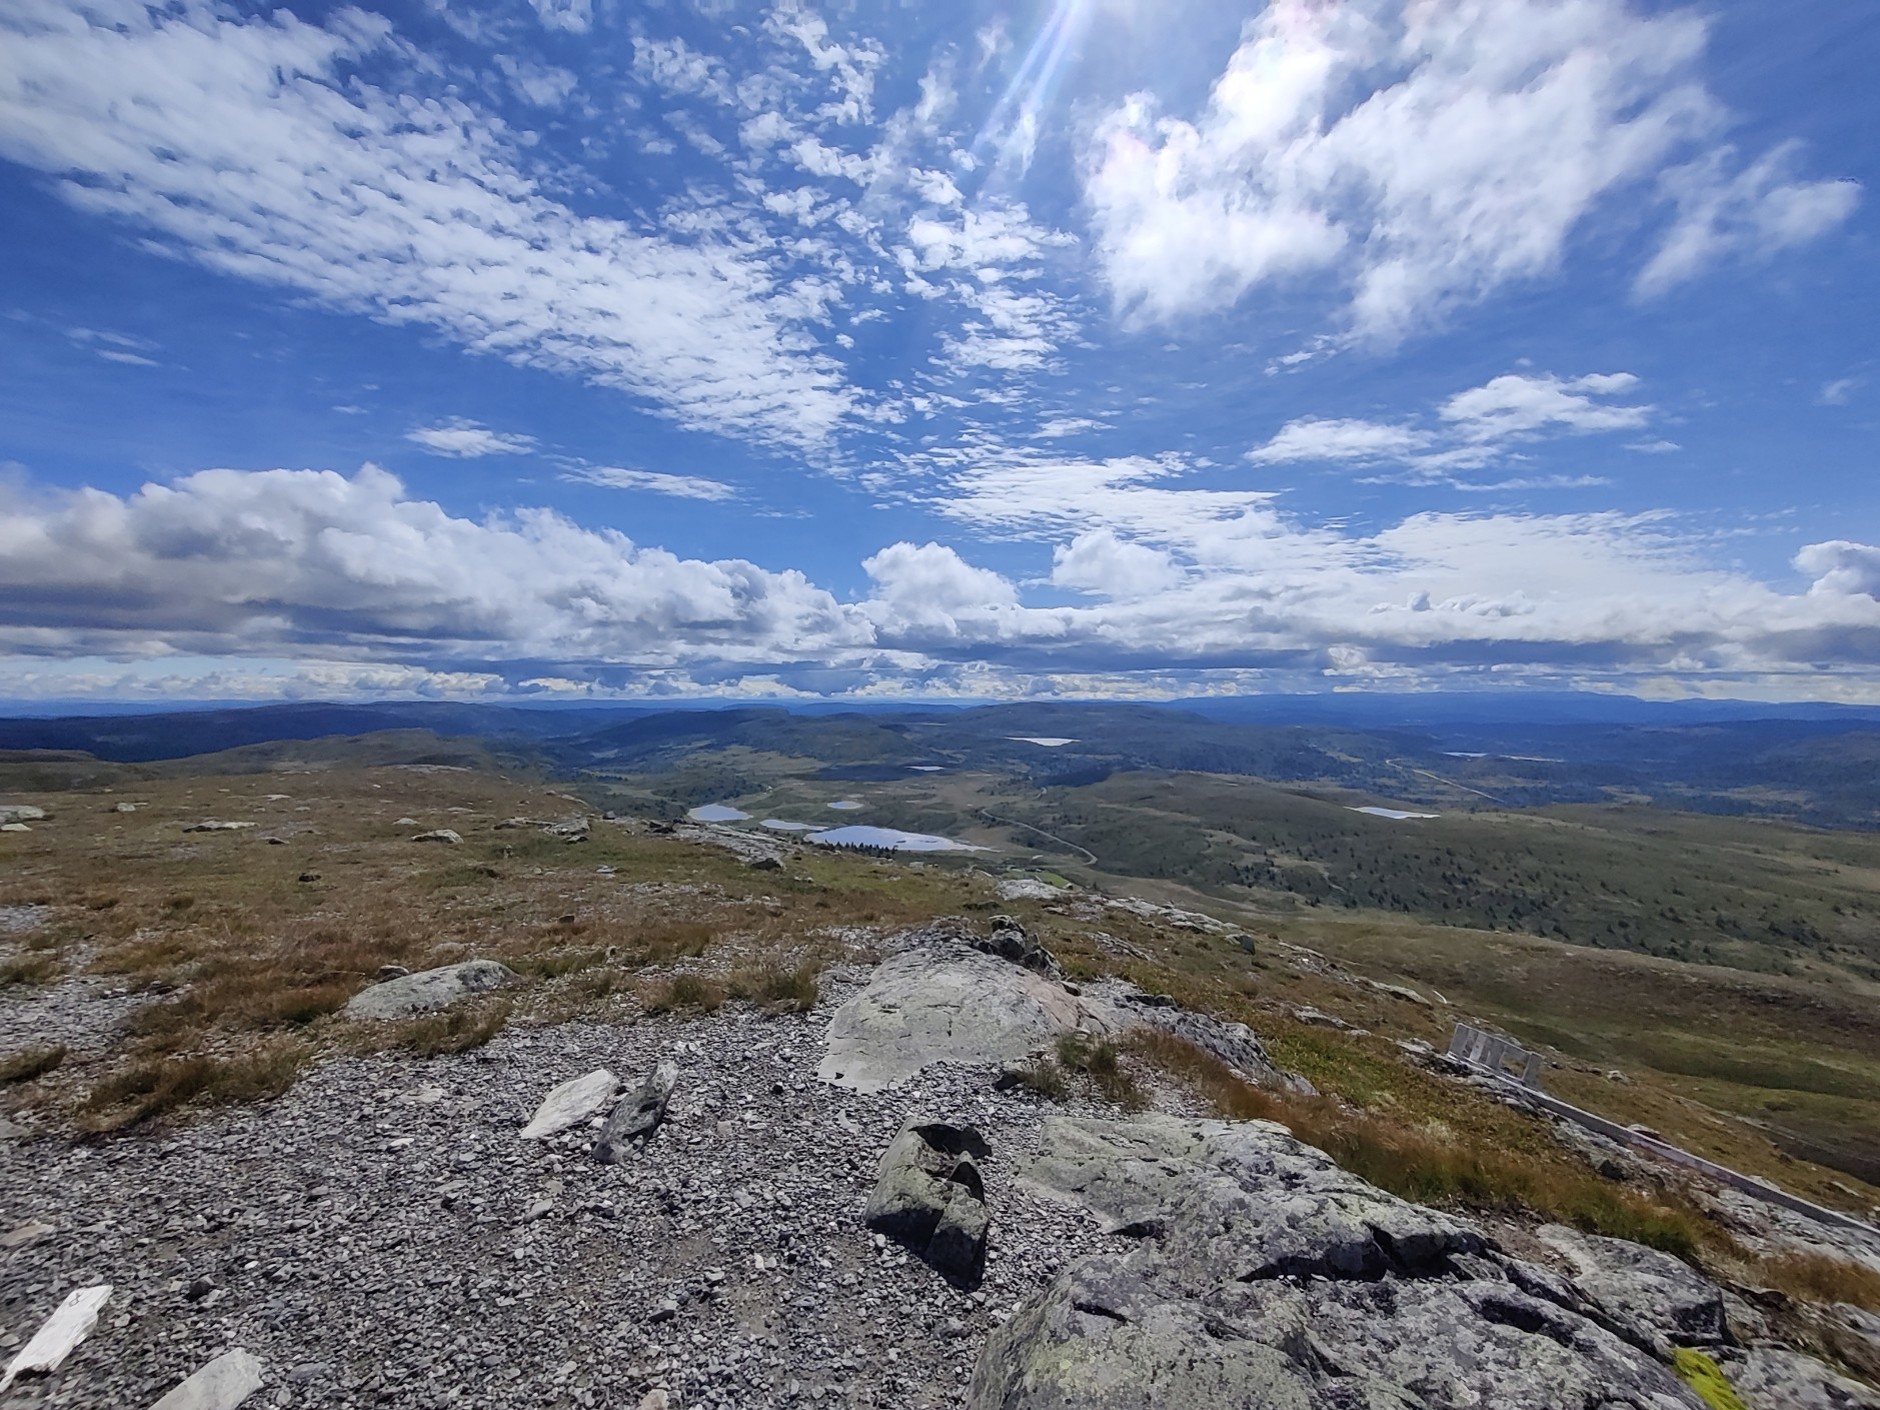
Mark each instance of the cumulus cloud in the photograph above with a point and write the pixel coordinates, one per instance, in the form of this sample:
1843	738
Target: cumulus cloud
289	562
287	566
1099	562
1427	155
466	440
259	148
1841	567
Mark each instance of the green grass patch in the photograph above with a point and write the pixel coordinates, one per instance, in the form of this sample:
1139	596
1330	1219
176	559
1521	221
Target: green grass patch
1706	1378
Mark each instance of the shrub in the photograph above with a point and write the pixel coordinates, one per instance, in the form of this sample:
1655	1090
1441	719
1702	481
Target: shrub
456	1030
153	1086
1821	1277
1043	1077
1705	1377
686	991
1096	1058
779	990
28	969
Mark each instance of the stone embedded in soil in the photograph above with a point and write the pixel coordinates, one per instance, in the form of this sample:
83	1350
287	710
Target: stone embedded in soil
930	1196
429	989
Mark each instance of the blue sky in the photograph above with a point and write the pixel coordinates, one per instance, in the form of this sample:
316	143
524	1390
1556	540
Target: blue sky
1085	347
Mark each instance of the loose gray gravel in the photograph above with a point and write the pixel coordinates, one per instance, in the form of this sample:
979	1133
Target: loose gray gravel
383	1236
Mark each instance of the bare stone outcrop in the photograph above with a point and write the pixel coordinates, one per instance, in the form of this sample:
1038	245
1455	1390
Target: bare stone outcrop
1269	1277
941	1000
429	989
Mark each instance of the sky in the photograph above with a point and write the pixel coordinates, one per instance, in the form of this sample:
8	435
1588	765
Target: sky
579	349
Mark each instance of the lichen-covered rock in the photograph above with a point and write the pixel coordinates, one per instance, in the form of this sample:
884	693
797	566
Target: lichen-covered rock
1772	1377
429	989
1270	1278
1654	1299
942	1001
930	1196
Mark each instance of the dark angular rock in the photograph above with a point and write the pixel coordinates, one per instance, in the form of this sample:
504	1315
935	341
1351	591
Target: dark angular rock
637	1115
930	1197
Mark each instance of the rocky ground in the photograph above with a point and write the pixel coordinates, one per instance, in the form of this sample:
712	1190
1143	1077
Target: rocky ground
385	1234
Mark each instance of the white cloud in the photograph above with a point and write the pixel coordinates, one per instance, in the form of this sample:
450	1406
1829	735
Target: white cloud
675	67
1515	405
1835	393
1841	567
1755	213
302	566
1310	438
1427	155
466	440
656	481
285	562
1473	428
1099	562
257	148
573	16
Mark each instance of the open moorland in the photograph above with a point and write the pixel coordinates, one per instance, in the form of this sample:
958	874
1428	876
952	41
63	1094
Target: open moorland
179	940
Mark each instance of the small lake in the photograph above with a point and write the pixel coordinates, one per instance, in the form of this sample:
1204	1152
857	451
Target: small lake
847	805
779	825
1395	814
716	812
864	836
1047	741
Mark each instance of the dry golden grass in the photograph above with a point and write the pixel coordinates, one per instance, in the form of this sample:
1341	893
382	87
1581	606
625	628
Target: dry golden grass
1417	1164
30	1063
1821	1277
1096	1059
243	947
153	1086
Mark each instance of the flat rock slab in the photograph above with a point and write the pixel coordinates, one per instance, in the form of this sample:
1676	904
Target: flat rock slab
1653	1298
572	1103
70	1323
429	989
223	1384
1268	1277
946	1002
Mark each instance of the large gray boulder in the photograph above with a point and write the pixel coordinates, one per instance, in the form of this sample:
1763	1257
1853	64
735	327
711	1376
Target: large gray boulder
1652	1299
940	1000
429	989
21	813
1269	1279
930	1196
